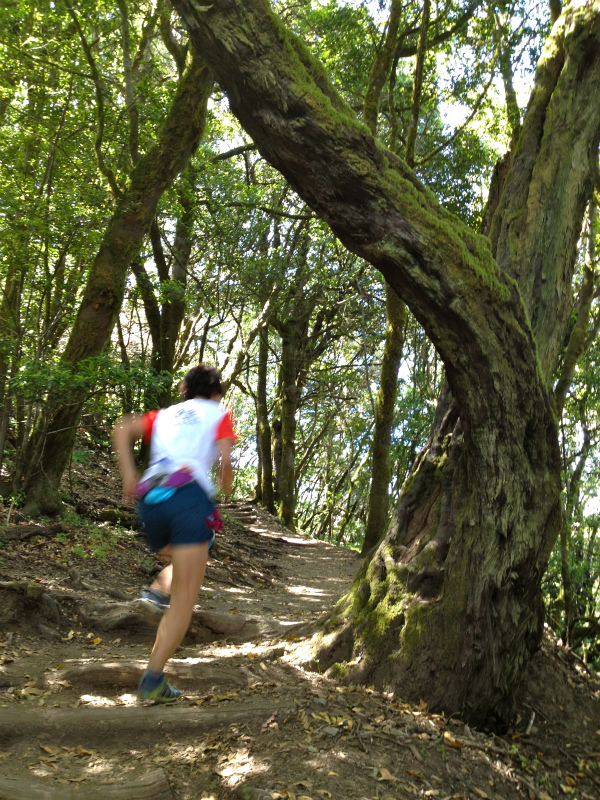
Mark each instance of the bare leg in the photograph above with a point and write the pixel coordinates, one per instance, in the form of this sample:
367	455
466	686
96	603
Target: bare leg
164	579
188	567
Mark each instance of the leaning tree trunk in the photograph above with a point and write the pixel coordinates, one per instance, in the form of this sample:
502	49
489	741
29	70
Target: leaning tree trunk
449	609
49	448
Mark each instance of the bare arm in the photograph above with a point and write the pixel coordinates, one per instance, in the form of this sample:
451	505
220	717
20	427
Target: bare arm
127	430
225	478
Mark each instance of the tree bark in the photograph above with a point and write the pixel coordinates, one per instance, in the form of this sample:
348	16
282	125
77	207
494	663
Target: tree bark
449	609
381	66
264	429
377	516
50	447
288	406
378	506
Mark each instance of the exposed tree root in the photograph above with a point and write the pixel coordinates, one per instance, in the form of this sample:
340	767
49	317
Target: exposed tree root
22	532
152	786
119	674
136	725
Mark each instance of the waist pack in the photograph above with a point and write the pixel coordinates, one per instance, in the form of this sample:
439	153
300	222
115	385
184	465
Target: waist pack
158	488
158	495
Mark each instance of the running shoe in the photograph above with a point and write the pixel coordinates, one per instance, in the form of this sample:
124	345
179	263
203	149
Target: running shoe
159	600
155	691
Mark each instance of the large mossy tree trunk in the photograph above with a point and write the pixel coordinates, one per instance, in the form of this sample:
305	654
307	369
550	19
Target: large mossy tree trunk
49	448
449	609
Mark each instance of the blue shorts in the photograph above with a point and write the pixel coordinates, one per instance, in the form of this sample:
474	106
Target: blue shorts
179	520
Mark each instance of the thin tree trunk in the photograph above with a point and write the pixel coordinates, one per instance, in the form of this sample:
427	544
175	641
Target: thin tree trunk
413	129
264	429
565	534
49	449
377	516
288	407
378	503
381	66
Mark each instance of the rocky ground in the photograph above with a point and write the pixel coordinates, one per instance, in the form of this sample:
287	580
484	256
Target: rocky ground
255	723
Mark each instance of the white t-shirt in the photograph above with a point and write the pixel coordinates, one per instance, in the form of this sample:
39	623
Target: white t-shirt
184	437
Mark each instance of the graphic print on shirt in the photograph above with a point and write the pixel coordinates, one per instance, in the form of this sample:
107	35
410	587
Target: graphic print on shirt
184	437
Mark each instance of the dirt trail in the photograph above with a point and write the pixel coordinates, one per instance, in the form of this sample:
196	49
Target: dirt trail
253	723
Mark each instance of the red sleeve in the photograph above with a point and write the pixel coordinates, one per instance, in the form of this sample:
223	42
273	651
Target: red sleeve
226	429
148	423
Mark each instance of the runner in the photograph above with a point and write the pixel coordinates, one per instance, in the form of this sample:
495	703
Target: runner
176	496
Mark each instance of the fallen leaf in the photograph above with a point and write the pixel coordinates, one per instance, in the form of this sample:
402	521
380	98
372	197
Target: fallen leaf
415	752
50	750
271	719
386	775
481	793
451	741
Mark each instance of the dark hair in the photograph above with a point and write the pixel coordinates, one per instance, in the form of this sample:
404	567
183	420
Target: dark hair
202	381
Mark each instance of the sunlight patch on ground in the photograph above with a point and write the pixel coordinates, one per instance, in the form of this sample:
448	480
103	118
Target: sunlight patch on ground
238	765
305	590
96	700
100	765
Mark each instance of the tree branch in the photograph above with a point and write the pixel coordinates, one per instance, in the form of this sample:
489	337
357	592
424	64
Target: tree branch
417	86
98	85
406	51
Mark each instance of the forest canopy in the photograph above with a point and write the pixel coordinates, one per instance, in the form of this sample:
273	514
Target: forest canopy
158	209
